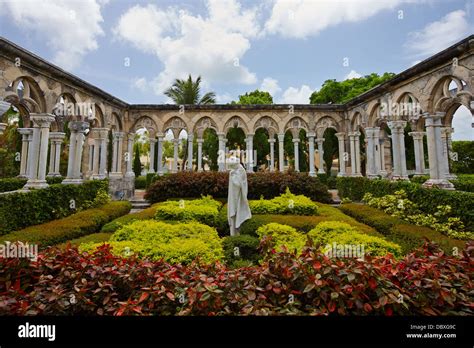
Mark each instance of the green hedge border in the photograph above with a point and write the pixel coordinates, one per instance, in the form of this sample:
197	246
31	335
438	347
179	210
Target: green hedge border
462	203
408	236
22	209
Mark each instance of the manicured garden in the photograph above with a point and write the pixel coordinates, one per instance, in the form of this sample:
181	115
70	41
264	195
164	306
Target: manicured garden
291	257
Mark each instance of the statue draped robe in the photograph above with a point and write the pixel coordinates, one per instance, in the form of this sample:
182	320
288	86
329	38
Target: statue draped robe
238	209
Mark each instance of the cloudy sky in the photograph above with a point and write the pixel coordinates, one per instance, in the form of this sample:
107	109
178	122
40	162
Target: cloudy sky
135	49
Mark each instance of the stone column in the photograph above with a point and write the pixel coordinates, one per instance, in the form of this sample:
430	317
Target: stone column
99	159
130	139
152	155
39	154
190	152
312	171
159	165
446	142
26	134
419	152
94	152
378	164
357	153
372	171
103	153
250	153
175	155
281	152
271	141
320	142
353	156
297	154
435	152
221	152
56	139
398	145
78	128
342	162
383	171
199	154
117	154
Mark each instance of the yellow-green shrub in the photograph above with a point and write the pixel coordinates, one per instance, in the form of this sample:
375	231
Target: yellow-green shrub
205	210
175	243
287	203
283	235
328	232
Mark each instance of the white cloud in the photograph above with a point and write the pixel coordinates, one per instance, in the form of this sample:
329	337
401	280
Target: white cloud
223	98
352	75
140	83
211	46
293	95
439	35
69	28
270	85
303	18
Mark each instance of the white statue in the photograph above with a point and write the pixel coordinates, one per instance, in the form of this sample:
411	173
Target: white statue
238	209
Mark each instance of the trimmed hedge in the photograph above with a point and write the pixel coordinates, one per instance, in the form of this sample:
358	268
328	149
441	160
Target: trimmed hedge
175	243
247	250
13	184
462	203
140	182
22	209
464	182
268	185
328	232
408	236
204	210
114	225
90	238
303	223
71	227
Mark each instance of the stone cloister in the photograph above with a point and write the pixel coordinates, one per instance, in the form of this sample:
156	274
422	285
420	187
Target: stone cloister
425	96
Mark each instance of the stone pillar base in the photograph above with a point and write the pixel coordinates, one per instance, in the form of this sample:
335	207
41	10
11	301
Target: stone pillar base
71	181
98	176
53	175
399	177
383	173
35	184
22	176
356	175
120	187
438	183
341	174
312	173
373	176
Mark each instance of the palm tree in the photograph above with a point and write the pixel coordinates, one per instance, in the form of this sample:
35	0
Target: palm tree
188	92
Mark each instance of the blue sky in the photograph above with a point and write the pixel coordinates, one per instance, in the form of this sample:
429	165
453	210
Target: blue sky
134	49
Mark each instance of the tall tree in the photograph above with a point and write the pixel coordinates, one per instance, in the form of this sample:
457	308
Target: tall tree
137	165
260	140
335	92
189	92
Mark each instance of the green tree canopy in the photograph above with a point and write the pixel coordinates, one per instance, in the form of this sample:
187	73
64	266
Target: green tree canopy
189	92
260	140
336	92
255	97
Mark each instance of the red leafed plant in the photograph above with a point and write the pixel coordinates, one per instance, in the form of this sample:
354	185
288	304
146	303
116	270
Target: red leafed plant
67	282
